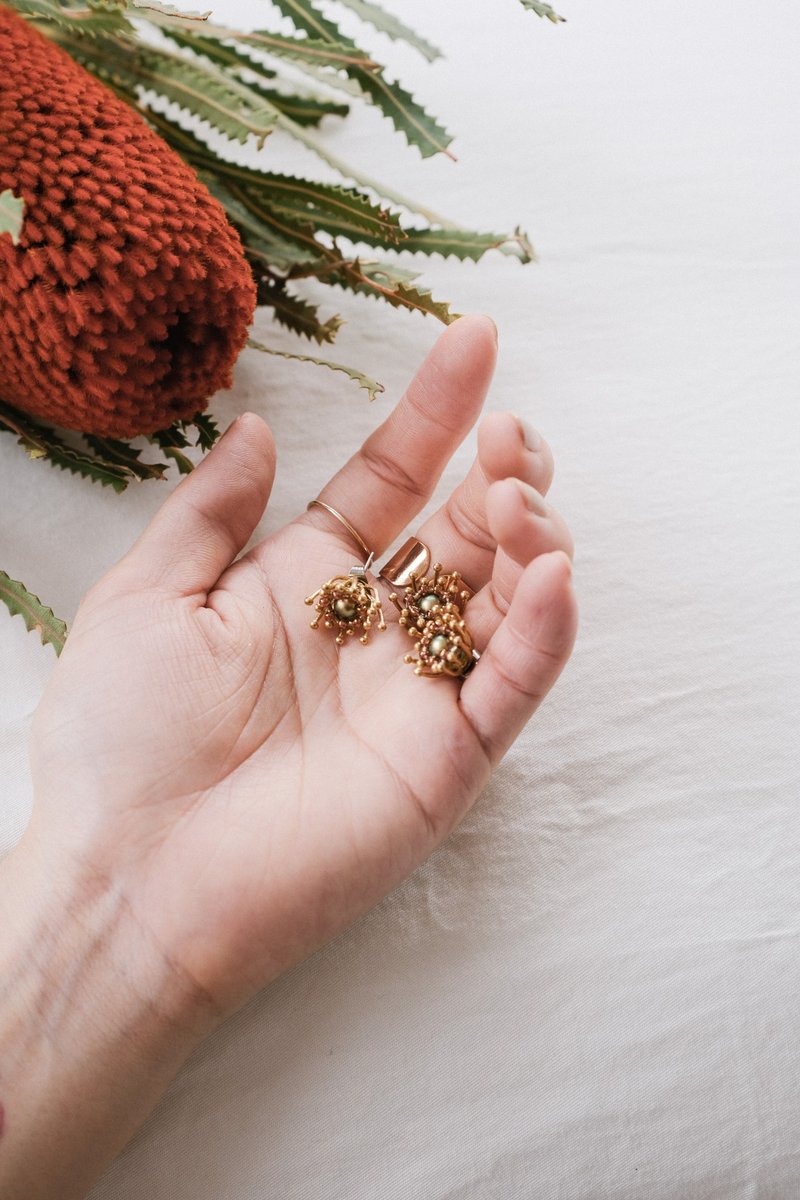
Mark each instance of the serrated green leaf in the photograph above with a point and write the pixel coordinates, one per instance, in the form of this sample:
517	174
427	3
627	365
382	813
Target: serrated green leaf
322	52
348	171
542	10
382	281
229	106
370	385
12	214
420	128
301	107
330	79
465	244
172	442
421	299
266	238
173	436
80	21
41	442
208	431
222	54
268	250
306	109
389	274
38	617
114	452
340	211
325	52
167	10
387	282
297	314
392	26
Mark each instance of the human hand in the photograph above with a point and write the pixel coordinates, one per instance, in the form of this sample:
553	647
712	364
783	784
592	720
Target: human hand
247	784
219	789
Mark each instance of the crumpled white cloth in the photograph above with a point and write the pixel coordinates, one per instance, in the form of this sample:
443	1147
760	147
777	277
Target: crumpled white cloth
591	990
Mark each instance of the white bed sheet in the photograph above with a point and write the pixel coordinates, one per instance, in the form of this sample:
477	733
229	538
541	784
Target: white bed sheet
591	989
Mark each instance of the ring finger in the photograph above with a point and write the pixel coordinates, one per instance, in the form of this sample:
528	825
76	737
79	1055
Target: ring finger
524	526
458	533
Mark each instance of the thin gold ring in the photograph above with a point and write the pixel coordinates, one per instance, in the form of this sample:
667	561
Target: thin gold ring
345	522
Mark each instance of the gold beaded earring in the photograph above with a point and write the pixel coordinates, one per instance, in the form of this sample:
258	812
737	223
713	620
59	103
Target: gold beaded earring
432	613
347	602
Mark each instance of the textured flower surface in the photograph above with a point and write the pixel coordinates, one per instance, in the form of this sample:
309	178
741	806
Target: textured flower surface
127	299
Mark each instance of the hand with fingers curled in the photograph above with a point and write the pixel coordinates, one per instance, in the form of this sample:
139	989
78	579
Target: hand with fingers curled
219	787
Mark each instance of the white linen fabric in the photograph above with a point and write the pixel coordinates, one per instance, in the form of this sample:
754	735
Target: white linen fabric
591	989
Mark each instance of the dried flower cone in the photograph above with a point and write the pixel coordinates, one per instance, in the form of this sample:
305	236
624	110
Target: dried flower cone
127	299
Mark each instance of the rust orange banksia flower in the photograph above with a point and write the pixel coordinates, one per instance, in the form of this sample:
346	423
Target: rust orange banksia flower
127	298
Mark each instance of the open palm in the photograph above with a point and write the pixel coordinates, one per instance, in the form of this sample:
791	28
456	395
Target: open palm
247	785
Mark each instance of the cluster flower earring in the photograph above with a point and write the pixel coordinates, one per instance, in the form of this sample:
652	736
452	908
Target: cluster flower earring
431	611
347	603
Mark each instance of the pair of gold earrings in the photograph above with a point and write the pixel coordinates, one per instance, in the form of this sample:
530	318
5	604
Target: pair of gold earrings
431	607
432	613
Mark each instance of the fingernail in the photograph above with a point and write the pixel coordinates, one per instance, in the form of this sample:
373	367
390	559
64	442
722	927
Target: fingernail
496	333
533	499
530	436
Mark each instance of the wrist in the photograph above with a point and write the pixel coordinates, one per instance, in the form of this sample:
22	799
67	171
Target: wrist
72	927
94	1022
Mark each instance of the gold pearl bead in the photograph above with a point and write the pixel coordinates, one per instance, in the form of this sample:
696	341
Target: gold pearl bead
429	602
344	609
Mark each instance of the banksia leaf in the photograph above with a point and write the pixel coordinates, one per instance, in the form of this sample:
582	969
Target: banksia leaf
295	313
165	10
40	442
271	229
128	297
37	616
392	26
394	285
464	243
340	211
302	108
420	128
370	385
114	452
542	10
90	21
295	102
227	104
173	441
421	299
220	53
325	52
318	53
207	430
